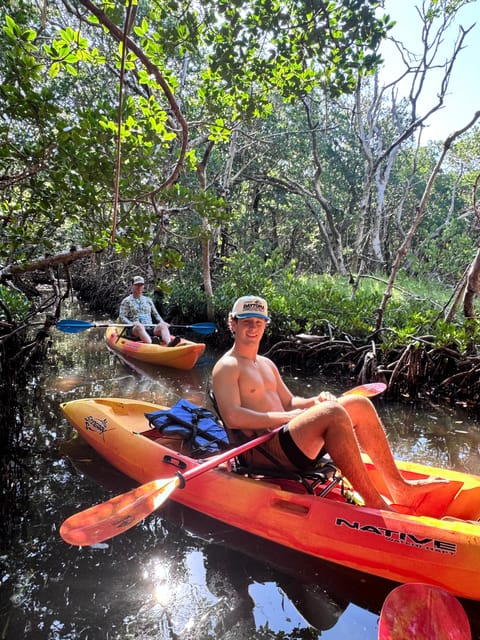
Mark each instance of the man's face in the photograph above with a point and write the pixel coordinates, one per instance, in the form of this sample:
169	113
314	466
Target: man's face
137	289
250	328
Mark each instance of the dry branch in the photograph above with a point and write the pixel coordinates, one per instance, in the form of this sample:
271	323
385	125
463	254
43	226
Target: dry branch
64	258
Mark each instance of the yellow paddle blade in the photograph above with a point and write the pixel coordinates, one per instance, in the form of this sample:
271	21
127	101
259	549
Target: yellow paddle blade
110	518
366	390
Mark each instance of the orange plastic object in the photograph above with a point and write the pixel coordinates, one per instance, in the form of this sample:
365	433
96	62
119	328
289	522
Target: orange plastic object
443	552
367	390
422	612
183	356
110	518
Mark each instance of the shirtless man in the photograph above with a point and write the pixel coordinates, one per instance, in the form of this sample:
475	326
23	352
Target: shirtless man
253	398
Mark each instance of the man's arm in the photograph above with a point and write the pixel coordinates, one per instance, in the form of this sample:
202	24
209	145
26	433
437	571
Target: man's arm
124	312
226	389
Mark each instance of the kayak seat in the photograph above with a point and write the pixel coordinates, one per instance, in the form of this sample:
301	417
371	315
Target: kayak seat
319	481
325	471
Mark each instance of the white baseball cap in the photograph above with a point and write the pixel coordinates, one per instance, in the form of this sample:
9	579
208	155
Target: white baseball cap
250	307
138	280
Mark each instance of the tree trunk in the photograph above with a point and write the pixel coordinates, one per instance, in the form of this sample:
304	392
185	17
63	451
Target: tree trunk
206	236
473	287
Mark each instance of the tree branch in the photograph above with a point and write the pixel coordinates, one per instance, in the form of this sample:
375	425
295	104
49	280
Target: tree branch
64	258
118	34
420	211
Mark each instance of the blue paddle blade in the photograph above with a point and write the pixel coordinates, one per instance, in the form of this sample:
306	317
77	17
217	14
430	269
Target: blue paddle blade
74	326
204	328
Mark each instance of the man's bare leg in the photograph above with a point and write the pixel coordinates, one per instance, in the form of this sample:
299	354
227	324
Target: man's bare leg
372	440
344	433
162	330
139	332
328	424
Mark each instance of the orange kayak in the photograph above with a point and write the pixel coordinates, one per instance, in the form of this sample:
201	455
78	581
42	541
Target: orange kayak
442	551
183	356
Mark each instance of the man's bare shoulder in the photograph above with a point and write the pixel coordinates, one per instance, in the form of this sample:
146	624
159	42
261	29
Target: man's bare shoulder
227	361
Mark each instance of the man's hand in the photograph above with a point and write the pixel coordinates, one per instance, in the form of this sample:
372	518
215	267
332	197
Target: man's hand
325	395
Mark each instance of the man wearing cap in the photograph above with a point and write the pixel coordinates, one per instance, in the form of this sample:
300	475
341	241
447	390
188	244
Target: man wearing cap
252	398
139	311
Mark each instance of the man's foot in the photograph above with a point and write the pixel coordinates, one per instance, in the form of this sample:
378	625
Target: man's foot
410	491
174	341
430	498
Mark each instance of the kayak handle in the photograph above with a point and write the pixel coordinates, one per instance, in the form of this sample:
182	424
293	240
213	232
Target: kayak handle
175	462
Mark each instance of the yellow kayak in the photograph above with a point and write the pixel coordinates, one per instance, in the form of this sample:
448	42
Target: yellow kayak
441	549
182	356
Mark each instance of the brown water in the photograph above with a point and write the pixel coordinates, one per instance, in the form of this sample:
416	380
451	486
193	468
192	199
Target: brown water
177	574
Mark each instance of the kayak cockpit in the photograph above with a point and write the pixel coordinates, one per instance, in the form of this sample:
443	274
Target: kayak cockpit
319	481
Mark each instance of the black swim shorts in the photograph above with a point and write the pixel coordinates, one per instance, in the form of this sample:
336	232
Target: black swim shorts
294	453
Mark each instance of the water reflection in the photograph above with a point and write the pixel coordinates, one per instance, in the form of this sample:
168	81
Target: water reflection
152	377
13	452
226	581
434	435
178	574
237	581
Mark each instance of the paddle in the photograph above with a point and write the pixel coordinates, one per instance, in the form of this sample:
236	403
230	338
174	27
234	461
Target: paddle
77	326
422	612
110	518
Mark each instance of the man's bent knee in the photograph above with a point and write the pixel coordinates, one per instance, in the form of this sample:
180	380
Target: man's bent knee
321	415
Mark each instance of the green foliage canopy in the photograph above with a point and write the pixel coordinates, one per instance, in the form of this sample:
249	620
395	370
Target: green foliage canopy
224	62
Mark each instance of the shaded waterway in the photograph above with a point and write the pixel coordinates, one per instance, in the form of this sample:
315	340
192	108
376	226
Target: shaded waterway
177	575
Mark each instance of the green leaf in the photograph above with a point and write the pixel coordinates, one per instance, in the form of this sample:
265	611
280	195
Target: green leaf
54	69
